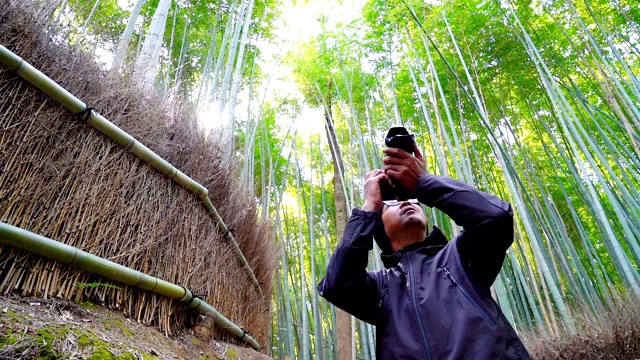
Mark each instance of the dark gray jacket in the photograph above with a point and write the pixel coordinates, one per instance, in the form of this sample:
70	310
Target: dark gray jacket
433	300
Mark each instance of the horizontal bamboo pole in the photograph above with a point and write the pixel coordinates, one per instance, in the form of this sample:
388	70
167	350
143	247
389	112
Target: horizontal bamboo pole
48	248
26	71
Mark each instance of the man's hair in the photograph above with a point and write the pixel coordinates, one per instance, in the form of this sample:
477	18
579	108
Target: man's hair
381	238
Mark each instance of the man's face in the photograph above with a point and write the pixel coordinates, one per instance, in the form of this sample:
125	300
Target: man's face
401	217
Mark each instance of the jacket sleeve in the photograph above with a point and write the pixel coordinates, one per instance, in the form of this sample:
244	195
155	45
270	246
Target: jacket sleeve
487	223
347	284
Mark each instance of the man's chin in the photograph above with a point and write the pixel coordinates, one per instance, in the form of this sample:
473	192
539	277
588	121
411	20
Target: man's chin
415	220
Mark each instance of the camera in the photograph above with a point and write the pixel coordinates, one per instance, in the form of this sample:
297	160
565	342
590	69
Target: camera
397	137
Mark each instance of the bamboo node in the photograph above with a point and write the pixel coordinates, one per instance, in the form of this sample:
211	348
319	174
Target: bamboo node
193	298
20	63
74	257
173	172
131	143
245	333
187	293
204	193
86	113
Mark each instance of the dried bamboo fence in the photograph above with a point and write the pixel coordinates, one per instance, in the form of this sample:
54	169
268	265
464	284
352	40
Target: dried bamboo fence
63	179
51	249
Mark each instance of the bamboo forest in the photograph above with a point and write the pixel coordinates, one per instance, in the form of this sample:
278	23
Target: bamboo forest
535	101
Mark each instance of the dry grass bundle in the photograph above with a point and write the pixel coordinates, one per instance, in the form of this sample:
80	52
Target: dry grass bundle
612	334
62	179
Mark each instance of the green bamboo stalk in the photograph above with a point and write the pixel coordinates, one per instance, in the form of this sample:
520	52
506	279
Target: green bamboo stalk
539	322
635	88
558	102
520	300
296	314
306	342
618	258
561	107
184	47
332	327
627	188
364	339
613	143
231	58
455	158
554	227
354	119
317	321
223	47
289	344
534	239
123	45
60	12
146	66
383	102
93	10
206	71
237	74
26	71
441	161
545	307
279	328
509	174
69	255
396	110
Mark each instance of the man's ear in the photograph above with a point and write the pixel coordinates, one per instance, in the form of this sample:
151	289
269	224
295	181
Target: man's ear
380	236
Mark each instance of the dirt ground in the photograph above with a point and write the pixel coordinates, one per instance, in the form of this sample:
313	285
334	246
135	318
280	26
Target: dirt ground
52	329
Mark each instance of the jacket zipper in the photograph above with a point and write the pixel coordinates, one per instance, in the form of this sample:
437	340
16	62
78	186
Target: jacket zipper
416	309
466	294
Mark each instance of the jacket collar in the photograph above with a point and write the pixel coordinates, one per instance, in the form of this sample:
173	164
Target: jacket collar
431	245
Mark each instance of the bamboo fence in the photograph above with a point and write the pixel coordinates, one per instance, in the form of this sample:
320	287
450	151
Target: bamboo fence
51	249
61	178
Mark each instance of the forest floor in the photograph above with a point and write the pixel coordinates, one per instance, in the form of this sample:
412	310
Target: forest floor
54	329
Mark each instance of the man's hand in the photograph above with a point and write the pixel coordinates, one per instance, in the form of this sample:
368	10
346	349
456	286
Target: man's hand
372	194
404	167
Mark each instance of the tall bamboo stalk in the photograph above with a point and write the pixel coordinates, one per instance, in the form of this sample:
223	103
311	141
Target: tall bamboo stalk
148	61
123	45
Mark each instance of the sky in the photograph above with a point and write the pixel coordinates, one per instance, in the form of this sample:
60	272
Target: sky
297	24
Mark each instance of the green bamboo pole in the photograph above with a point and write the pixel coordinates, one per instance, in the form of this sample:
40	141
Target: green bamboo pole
26	71
552	89
52	249
317	320
306	341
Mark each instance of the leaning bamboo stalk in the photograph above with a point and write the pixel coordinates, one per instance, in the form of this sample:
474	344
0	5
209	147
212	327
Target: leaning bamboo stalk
52	249
26	71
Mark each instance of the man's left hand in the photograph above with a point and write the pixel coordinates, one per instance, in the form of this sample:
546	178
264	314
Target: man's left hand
404	167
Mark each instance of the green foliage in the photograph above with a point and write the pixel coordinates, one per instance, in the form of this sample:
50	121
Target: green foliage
194	23
106	22
550	124
94	284
37	346
231	354
536	101
102	354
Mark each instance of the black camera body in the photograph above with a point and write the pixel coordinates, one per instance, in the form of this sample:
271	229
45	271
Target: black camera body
398	137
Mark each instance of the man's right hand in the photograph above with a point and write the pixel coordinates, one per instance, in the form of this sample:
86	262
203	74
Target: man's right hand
372	194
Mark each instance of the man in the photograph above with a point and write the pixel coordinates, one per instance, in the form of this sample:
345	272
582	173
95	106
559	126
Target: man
433	300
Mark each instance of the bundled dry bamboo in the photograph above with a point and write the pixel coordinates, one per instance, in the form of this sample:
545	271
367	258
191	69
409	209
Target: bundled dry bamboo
62	179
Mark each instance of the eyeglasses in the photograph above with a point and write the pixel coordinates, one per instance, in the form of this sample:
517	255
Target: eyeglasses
398	202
